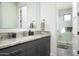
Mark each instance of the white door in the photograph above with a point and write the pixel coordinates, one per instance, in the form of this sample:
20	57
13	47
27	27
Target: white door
74	24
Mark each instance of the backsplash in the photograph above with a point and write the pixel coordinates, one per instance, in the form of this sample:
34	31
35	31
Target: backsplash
3	35
19	34
10	35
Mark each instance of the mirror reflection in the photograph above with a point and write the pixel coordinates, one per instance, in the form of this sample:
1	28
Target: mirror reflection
23	15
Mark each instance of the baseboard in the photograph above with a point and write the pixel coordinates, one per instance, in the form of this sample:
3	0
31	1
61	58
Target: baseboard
75	53
53	54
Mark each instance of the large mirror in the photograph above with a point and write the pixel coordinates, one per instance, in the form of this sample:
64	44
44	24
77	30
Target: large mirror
23	15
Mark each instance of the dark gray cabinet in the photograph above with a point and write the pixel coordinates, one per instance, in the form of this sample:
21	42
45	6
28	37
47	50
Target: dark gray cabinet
39	47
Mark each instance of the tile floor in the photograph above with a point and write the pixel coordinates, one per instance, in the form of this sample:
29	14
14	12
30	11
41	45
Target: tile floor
64	52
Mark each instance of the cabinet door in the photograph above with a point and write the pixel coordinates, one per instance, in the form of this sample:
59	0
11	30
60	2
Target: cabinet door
31	48
41	50
47	45
14	50
44	47
32	51
41	47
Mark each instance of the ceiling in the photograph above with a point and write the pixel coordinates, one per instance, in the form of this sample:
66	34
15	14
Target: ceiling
64	5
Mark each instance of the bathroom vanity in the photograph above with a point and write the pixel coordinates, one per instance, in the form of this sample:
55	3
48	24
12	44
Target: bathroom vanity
33	45
16	21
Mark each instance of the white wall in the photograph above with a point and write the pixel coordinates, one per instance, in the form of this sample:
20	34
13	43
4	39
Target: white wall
33	13
9	15
48	12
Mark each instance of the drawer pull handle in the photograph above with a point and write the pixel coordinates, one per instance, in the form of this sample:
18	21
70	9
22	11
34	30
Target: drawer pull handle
14	53
4	54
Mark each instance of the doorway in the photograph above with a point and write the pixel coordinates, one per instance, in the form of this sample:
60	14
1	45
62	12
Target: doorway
64	42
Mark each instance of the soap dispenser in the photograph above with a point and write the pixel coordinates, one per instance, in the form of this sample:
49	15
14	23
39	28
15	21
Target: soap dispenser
43	25
30	32
32	25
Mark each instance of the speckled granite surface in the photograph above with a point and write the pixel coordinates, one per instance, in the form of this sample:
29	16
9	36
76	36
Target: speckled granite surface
11	42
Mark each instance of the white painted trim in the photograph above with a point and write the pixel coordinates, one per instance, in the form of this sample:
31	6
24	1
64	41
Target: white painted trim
75	53
53	54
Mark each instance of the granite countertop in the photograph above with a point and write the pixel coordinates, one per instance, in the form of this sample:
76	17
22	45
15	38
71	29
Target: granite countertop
11	42
15	30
